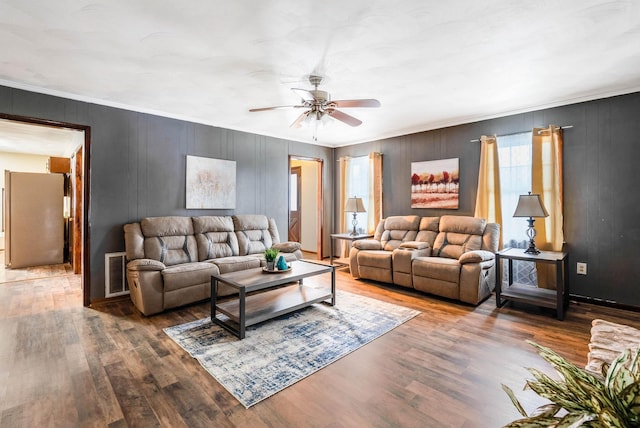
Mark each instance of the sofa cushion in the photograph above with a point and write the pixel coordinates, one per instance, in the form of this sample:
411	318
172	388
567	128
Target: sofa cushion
476	256
379	259
188	274
236	263
428	229
462	224
146	264
169	240
367	244
377	234
253	234
166	226
491	237
442	269
273	230
458	234
133	241
215	237
399	229
171	250
287	247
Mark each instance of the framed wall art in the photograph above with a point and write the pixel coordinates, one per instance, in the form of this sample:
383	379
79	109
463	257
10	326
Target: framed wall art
211	183
435	184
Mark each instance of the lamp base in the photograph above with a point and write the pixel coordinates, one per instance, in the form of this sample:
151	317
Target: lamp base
532	248
354	222
531	234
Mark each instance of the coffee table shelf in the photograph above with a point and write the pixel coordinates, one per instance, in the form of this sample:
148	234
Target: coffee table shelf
263	296
273	303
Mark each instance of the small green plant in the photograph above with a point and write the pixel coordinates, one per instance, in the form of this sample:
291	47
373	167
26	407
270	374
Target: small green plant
588	400
271	254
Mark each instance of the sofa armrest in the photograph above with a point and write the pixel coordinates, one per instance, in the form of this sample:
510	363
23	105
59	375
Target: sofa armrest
476	256
367	244
415	245
145	265
287	247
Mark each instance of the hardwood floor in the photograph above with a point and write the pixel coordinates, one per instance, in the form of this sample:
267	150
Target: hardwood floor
65	365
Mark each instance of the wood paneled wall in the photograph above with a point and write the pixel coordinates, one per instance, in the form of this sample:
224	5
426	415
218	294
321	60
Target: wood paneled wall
601	196
138	168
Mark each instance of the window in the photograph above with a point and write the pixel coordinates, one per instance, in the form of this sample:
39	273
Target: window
358	186
514	153
515	159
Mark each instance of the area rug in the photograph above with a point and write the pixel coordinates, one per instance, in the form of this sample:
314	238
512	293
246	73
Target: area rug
278	353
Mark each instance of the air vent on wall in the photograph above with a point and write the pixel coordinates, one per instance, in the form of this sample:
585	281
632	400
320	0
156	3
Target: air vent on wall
115	280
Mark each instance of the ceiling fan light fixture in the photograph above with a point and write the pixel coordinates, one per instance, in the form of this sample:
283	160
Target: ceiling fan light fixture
321	109
317	119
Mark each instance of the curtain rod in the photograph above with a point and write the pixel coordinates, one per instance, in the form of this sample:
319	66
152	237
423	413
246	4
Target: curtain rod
361	156
522	132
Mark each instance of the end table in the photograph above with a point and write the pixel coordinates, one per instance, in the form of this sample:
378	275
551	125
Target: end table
557	299
345	237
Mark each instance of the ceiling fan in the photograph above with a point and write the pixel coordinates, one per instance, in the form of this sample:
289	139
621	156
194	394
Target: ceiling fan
319	105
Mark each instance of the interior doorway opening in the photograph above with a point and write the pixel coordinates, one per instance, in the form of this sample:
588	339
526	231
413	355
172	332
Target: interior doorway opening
305	205
76	192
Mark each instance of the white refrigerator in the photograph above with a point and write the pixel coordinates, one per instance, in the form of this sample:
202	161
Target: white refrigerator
33	219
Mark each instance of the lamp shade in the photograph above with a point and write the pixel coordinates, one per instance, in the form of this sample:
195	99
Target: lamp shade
354	205
530	206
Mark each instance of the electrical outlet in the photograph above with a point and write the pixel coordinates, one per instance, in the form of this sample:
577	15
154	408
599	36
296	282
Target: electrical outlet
581	268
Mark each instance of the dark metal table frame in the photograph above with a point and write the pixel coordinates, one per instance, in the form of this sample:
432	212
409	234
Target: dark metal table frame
270	297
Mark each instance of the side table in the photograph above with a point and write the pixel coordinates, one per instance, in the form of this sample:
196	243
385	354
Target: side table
557	299
345	237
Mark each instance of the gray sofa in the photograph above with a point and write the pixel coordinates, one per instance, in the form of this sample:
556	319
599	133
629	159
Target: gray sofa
448	256
170	260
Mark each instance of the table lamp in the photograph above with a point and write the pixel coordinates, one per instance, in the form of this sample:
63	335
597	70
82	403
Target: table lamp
530	206
354	205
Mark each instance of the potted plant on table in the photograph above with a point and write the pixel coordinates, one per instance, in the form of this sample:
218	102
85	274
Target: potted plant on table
270	255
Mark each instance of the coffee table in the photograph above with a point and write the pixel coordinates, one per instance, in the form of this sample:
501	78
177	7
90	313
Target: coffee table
272	294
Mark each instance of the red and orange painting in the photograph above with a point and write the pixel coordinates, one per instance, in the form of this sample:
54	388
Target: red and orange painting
435	184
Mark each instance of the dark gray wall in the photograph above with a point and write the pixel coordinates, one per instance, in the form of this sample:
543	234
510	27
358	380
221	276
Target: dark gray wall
601	199
138	170
138	167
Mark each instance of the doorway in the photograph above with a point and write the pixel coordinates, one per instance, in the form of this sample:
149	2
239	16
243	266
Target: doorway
305	205
78	194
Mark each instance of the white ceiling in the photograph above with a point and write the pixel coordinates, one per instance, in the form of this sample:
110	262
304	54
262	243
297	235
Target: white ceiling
18	137
430	63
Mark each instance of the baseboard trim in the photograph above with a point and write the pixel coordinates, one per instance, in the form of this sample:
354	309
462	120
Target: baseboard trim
105	300
603	302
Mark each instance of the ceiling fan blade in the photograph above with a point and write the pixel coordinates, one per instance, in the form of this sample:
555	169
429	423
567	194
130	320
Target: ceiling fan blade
343	117
298	121
357	103
274	108
304	94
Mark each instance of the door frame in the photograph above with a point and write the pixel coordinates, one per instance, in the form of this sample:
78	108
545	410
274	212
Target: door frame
86	235
297	171
319	200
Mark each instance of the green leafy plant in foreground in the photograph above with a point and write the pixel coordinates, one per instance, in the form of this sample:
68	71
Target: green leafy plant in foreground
270	254
582	399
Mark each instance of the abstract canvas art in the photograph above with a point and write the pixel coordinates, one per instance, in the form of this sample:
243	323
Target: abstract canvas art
211	183
435	184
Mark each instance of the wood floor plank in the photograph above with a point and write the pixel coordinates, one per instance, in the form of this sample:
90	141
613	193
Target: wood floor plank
65	365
